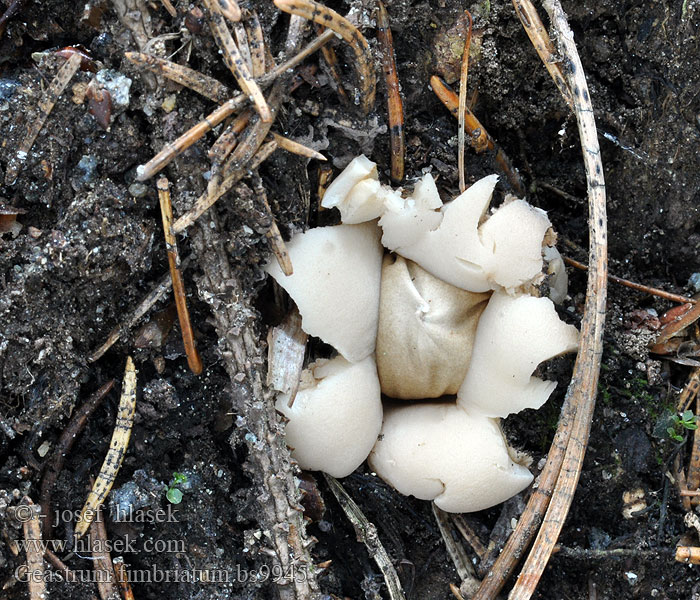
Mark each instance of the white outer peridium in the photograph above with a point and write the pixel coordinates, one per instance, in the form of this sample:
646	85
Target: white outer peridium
335	285
504	251
514	335
440	452
336	415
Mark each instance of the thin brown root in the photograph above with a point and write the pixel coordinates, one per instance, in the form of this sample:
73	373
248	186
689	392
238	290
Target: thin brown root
394	101
166	210
46	104
461	112
318	13
198	82
61	449
122	578
234	61
206	201
101	560
367	533
296	148
635	286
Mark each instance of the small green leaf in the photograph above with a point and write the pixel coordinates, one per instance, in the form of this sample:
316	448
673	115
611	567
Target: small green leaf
174	496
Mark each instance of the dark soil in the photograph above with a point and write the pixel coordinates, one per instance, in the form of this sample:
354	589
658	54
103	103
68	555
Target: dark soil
90	247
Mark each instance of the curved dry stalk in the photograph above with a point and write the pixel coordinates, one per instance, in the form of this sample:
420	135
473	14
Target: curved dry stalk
568	447
584	383
463	79
318	13
393	91
540	40
367	533
198	82
115	454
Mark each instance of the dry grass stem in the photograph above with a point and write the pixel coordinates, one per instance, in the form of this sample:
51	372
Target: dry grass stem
122	579
469	535
367	533
459	557
102	561
256	43
584	383
230	9
288	65
393	89
115	454
161	288
191	136
169	7
479	138
318	13
166	210
539	37
331	59
234	60
242	42
206	201
273	235
46	104
198	82
635	286
35	557
227	141
461	112
296	148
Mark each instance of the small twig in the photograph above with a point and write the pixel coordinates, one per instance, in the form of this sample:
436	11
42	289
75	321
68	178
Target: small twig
169	7
584	382
63	446
367	533
122	578
101	559
274	237
35	557
543	45
206	201
677	325
588	554
459	557
46	104
161	288
234	61
393	89
688	554
288	65
116	452
198	82
285	143
67	573
230	9
331	59
318	13
635	286
191	136
227	141
480	139
166	211
256	43
469	535
463	80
